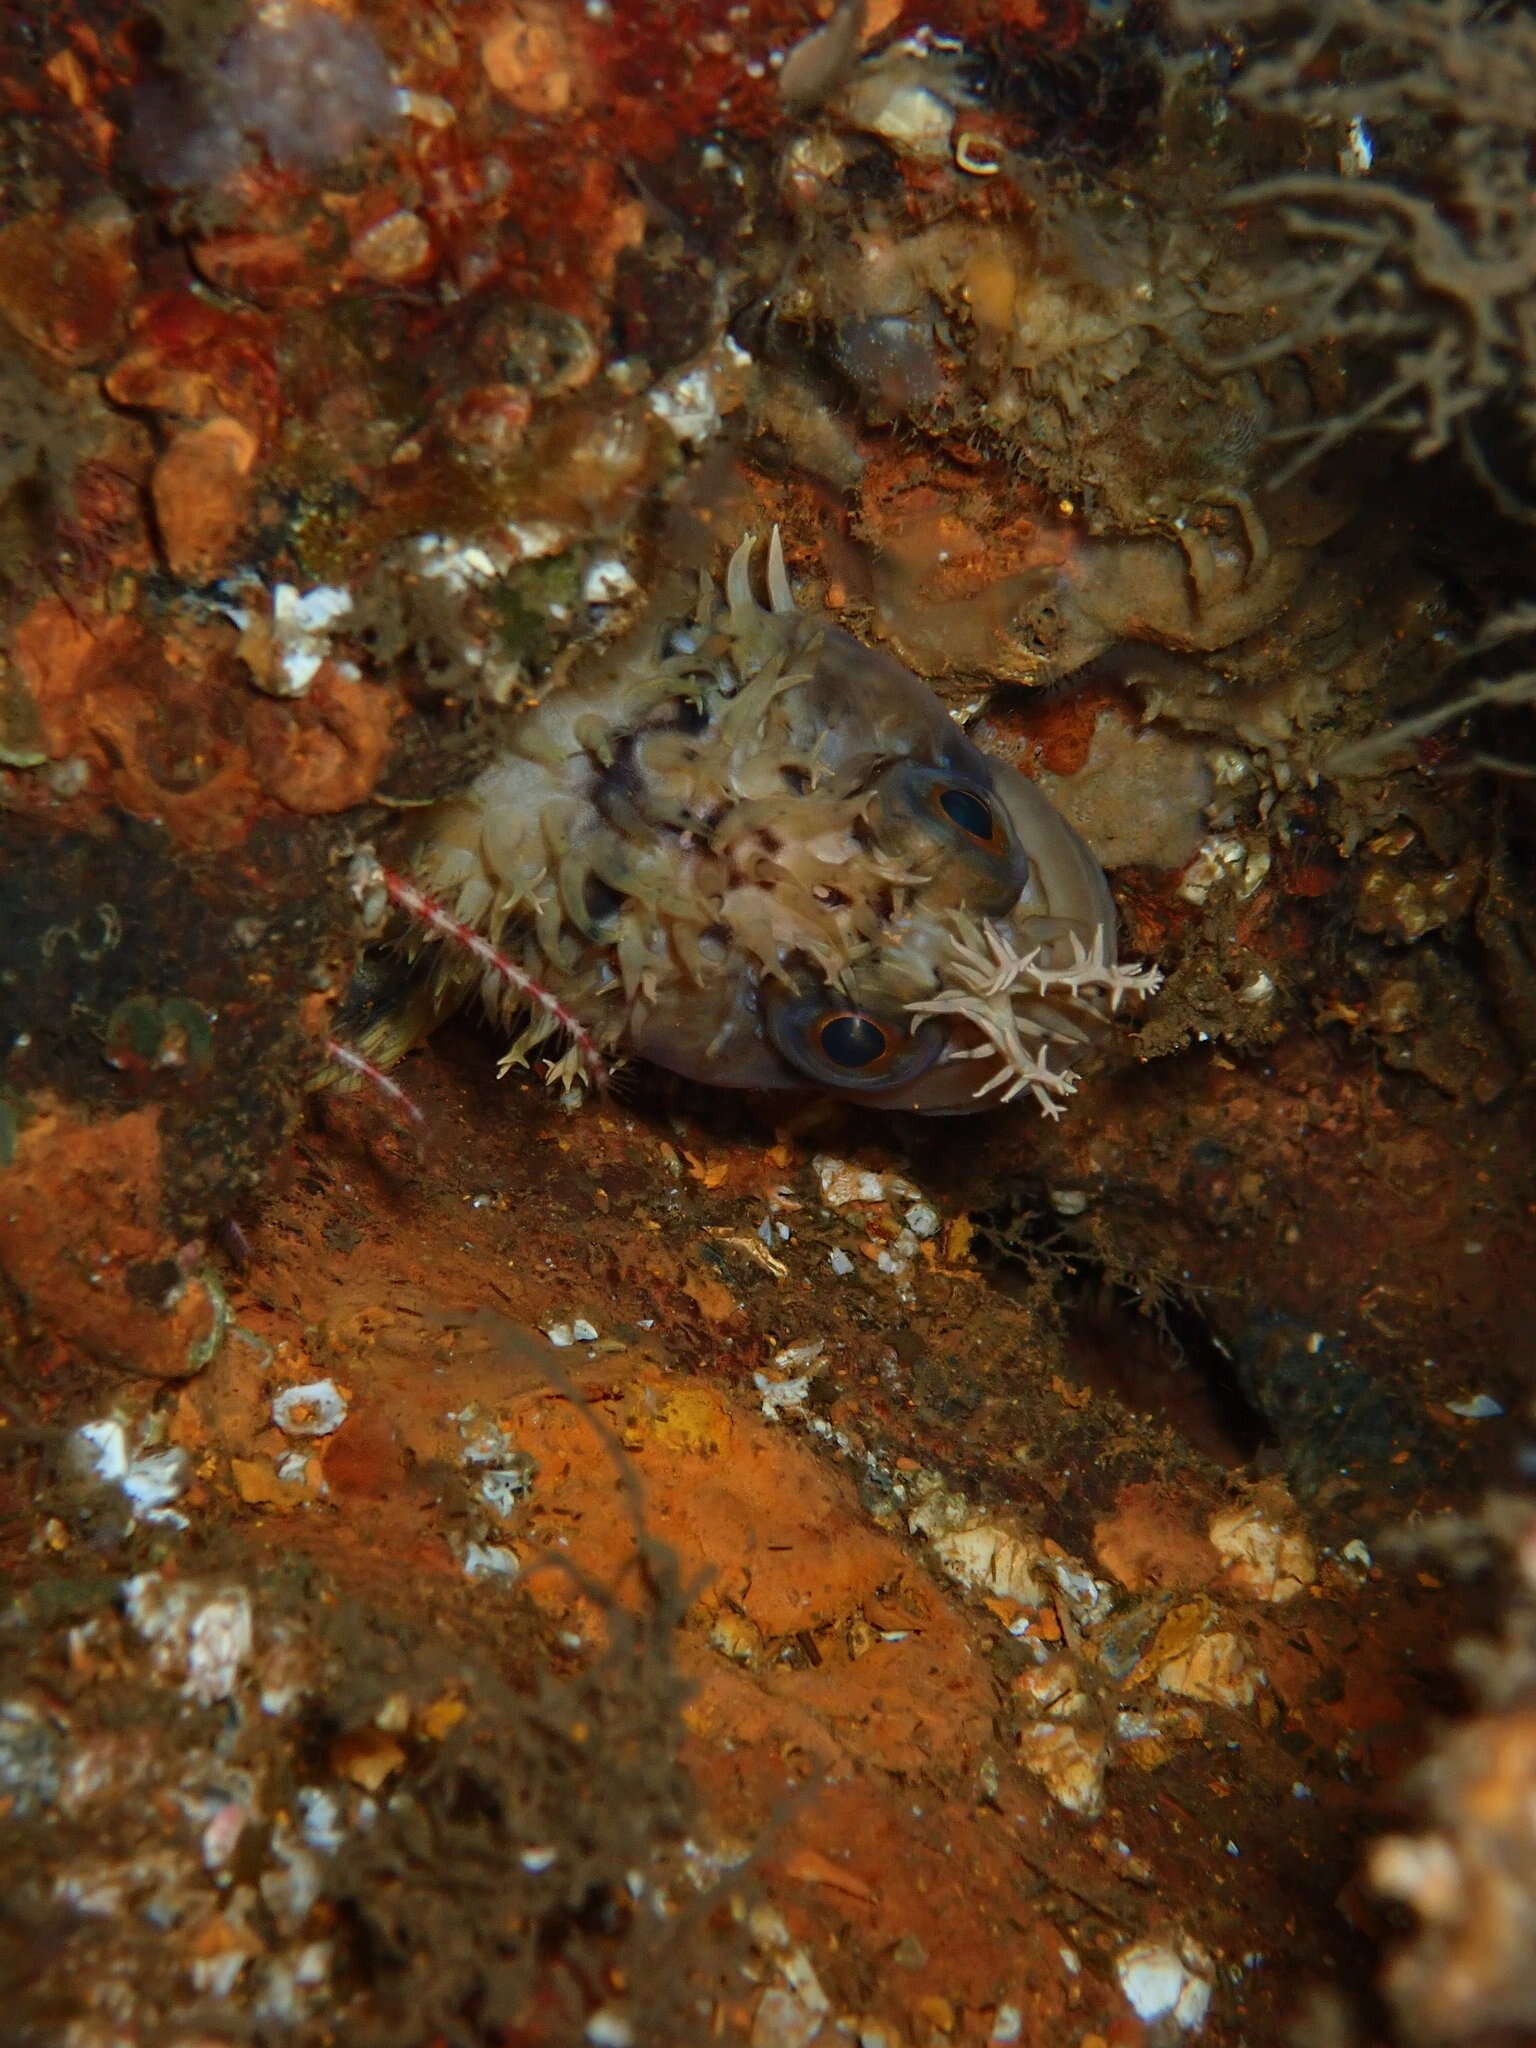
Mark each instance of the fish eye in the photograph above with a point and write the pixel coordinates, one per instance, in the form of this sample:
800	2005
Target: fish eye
970	813
852	1039
921	813
847	1045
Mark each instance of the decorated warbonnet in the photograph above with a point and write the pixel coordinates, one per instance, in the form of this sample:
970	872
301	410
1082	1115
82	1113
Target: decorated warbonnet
753	851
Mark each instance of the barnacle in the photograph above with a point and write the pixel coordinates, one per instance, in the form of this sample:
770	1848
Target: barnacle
756	852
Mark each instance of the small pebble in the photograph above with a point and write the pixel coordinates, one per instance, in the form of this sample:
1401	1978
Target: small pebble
1476	1408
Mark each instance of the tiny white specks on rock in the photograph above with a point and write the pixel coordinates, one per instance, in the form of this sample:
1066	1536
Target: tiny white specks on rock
315	1409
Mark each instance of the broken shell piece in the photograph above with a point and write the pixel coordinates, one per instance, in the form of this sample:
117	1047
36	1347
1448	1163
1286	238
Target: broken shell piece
1216	1668
202	1630
1068	1760
490	1561
842	1183
996	1561
1052	1689
149	1480
315	1409
1161	1981
1267	1555
1187	1656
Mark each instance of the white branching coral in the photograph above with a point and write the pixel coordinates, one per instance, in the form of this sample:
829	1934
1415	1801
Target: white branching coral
1005	994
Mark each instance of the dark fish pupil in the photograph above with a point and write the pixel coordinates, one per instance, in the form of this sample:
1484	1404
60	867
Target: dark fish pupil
852	1041
970	812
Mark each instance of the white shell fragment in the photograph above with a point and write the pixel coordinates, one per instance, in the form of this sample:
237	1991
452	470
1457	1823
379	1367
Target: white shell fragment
490	1561
689	403
608	2028
779	1395
149	1480
901	111
301	625
314	1409
1267	1554
1068	1760
1161	1982
606	581
842	1183
564	1335
200	1629
1216	1669
995	1561
459	564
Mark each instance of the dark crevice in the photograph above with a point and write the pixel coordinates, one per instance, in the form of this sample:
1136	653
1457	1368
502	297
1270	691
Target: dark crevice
1152	1349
